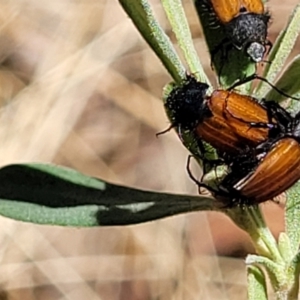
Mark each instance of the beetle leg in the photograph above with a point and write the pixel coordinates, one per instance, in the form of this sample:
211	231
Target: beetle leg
255	76
283	118
165	131
269	44
200	184
261	125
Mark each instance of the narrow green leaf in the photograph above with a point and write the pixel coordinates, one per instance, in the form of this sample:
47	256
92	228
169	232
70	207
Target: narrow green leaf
292	219
142	16
257	287
67	174
180	26
79	216
280	52
48	194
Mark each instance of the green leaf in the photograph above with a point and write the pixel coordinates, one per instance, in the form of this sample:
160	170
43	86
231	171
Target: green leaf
142	16
280	52
257	287
48	194
292	219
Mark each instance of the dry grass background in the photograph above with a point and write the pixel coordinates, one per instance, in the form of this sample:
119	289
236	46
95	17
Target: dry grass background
80	88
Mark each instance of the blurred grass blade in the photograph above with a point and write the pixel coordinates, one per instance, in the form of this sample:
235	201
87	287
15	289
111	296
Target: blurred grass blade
289	82
280	52
180	27
292	213
48	194
257	287
142	16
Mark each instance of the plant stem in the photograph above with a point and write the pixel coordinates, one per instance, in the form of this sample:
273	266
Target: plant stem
178	21
251	220
263	233
142	16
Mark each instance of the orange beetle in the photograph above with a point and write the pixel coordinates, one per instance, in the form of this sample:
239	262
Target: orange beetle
226	10
246	26
276	172
230	134
224	120
253	180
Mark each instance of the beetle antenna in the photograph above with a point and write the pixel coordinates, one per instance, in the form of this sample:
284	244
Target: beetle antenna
165	131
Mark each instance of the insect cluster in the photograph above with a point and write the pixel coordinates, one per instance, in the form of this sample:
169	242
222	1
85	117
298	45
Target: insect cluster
258	141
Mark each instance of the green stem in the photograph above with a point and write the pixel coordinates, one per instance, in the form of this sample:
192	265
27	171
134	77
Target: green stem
251	220
142	16
264	234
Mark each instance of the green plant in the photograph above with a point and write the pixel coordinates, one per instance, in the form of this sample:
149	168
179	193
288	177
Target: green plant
48	194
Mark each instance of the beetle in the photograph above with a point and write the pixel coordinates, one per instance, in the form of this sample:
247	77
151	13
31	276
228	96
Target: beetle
274	170
210	119
257	176
277	171
258	179
230	134
245	24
